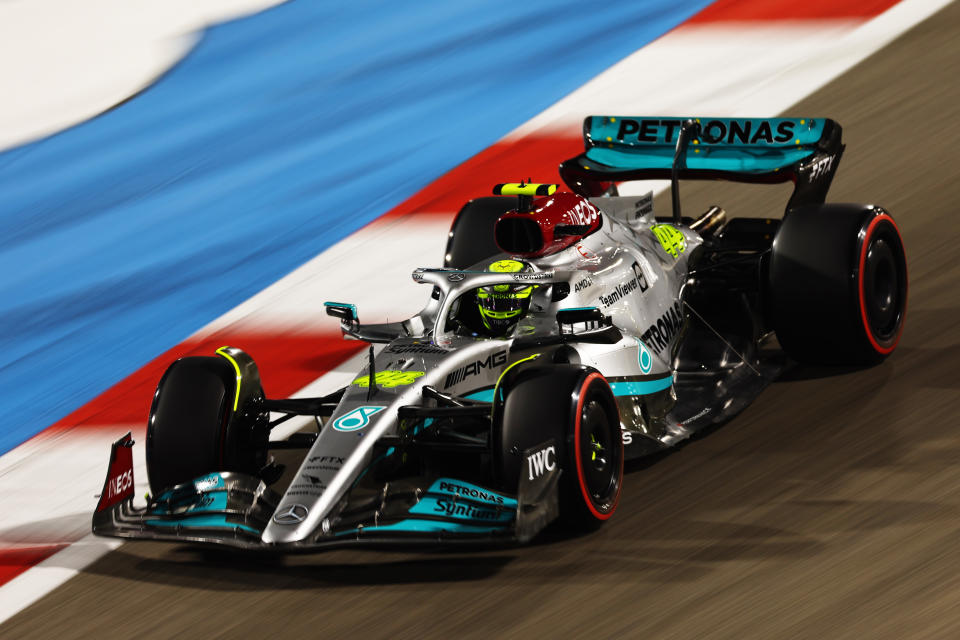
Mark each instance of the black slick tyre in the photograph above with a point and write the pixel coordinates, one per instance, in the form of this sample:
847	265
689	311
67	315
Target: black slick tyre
194	427
837	284
471	238
572	406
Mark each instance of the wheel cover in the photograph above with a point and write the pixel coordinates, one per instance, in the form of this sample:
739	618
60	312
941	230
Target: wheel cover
596	451
882	284
599	453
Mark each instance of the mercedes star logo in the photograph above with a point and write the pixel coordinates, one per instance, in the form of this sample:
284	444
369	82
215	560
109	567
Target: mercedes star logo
290	514
456	277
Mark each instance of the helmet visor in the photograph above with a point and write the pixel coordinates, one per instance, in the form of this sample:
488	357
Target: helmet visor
503	301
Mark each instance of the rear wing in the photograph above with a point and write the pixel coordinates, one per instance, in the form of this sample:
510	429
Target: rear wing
756	150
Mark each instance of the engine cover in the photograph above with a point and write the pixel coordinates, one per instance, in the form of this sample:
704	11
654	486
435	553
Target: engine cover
554	223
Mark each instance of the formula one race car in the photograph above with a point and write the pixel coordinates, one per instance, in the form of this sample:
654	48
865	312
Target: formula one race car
566	332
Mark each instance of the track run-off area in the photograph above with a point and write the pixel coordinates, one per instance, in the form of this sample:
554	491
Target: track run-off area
828	508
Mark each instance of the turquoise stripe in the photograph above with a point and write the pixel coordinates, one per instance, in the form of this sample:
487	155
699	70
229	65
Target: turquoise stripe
718	149
641	387
473	491
204	522
484	395
446	506
710	160
636	388
429	526
214	501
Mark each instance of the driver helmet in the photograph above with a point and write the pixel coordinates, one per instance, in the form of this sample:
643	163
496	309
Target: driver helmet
503	305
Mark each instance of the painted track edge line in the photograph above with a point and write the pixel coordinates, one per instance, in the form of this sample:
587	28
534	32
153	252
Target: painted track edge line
47	575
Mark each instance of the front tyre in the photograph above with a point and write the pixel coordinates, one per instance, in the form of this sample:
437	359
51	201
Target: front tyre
205	418
573	406
595	451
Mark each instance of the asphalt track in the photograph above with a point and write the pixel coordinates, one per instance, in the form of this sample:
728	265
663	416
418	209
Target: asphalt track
829	508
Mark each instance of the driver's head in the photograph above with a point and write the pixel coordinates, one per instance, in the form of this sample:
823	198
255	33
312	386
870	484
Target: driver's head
503	305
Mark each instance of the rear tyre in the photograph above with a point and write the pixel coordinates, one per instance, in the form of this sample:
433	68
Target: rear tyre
574	406
193	428
471	234
837	287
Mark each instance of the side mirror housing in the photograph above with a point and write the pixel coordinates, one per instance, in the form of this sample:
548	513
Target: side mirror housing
580	315
347	313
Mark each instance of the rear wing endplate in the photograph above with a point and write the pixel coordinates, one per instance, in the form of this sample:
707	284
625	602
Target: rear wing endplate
754	150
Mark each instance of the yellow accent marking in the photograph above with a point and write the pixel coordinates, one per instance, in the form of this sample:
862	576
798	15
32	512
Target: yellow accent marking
695	141
613	119
609	139
518	189
499	315
672	240
696	150
497	386
389	378
802	121
585	167
506	266
221	352
502	291
798	140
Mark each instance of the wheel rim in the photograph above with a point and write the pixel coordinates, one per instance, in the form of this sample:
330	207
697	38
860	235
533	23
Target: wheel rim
599	457
883	287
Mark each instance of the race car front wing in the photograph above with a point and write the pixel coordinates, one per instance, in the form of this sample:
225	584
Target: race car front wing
232	509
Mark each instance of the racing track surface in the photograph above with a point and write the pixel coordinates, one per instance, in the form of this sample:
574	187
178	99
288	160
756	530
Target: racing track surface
829	508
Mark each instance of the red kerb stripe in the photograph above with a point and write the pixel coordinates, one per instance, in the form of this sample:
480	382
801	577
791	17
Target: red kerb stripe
536	157
287	363
15	561
772	10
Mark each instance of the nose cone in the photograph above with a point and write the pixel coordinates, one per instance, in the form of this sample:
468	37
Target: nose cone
288	524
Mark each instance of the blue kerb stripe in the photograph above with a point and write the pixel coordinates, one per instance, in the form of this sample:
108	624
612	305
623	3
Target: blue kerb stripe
190	206
641	388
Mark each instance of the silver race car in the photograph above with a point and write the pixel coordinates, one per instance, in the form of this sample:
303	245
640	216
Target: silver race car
566	332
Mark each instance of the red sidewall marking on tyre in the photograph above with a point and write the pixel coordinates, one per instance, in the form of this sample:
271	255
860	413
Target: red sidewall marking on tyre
860	288
599	515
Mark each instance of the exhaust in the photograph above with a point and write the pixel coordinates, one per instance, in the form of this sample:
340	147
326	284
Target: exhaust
710	222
